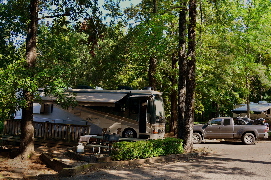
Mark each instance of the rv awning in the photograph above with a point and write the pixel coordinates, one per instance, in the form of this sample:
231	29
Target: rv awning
93	99
256	108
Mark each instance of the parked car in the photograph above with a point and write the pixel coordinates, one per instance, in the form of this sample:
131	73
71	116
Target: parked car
226	128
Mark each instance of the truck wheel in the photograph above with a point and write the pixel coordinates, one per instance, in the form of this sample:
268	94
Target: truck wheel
197	139
248	139
129	133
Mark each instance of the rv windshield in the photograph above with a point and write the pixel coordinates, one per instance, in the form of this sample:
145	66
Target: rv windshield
159	106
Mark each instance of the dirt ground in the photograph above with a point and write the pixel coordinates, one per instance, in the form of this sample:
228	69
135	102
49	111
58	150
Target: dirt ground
11	168
225	161
14	168
17	169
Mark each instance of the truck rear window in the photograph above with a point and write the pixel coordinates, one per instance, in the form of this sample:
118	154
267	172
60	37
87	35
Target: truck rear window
227	122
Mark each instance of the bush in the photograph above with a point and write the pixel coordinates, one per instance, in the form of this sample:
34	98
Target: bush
145	149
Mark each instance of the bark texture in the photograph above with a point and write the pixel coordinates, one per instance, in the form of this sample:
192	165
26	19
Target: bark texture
152	70
27	129
173	98
182	70
191	78
187	64
153	60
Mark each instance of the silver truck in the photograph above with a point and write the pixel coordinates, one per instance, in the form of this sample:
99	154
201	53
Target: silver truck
226	128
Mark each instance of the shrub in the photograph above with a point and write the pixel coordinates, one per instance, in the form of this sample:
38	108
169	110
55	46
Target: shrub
145	149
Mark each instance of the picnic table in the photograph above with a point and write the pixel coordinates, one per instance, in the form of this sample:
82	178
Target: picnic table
103	142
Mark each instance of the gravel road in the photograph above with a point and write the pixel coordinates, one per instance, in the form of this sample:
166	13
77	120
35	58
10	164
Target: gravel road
227	160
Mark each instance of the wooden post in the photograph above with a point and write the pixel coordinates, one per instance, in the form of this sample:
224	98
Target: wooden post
45	130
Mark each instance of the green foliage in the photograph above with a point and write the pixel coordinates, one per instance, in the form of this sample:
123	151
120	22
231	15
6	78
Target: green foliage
233	50
55	64
145	149
233	59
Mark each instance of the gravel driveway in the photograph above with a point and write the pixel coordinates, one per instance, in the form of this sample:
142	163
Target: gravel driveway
228	160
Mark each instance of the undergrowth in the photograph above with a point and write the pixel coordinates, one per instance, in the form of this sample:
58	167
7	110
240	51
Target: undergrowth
146	149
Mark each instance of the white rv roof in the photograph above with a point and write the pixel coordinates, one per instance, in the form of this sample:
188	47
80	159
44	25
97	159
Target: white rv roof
105	99
114	91
253	107
92	97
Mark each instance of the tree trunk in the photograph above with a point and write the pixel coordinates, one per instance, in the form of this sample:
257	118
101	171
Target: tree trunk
182	71
27	129
247	98
152	70
173	98
153	61
154	6
191	78
248	108
187	76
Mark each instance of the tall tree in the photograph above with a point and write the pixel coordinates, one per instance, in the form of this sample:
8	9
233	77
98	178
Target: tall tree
187	76
191	76
21	77
27	129
153	60
182	60
173	122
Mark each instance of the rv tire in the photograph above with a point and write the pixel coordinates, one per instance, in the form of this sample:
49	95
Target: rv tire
129	133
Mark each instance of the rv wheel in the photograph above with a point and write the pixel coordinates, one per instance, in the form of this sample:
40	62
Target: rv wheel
129	133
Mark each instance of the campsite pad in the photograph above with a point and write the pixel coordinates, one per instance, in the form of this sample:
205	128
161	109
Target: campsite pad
11	168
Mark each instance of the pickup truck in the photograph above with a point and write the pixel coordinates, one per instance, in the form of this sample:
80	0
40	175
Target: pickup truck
226	128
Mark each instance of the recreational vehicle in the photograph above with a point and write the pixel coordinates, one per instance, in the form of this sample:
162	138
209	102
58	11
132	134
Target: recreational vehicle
129	113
